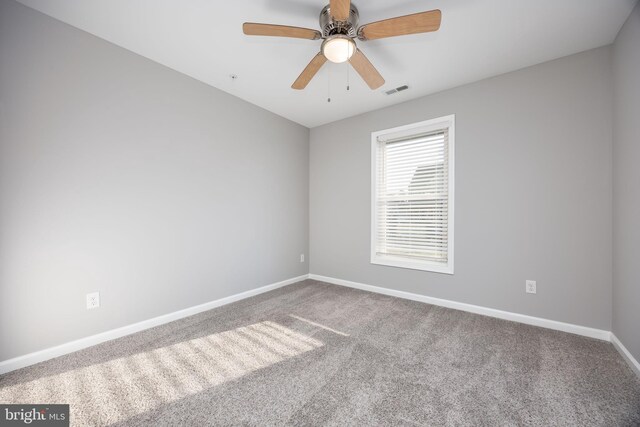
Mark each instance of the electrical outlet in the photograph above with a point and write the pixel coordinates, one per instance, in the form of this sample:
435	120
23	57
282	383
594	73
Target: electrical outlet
531	286
301	257
93	300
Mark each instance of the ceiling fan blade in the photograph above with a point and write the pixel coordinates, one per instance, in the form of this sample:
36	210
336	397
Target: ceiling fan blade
366	70
253	29
309	72
423	22
340	9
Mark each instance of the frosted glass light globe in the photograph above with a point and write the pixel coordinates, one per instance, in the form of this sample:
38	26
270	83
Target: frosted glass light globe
338	48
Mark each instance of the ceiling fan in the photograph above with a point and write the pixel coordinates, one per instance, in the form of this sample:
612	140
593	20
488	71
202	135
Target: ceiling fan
339	25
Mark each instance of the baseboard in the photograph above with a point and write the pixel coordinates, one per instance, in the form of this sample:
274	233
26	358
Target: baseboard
506	315
70	347
626	355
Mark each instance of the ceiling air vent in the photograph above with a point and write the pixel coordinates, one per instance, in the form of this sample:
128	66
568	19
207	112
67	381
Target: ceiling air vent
396	90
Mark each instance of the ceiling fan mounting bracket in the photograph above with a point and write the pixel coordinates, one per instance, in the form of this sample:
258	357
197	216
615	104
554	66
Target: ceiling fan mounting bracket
330	27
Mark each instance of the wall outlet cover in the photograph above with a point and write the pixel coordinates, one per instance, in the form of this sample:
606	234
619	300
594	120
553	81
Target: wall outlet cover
530	286
93	300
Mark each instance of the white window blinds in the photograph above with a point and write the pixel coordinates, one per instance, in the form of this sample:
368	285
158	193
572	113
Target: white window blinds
412	198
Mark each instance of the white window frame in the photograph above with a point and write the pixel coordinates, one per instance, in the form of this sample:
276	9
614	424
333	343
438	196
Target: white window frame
397	261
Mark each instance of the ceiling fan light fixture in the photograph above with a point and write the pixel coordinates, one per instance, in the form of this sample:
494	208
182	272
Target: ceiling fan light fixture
338	48
339	28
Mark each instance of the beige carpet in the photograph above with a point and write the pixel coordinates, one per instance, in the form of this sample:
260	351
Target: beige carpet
318	354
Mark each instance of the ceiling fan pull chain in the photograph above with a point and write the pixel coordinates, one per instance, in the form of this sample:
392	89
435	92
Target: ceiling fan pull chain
347	64
328	85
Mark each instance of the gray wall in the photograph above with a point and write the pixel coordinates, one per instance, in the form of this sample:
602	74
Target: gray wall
122	176
533	192
626	185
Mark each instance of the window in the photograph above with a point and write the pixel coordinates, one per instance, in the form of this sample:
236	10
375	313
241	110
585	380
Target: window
412	196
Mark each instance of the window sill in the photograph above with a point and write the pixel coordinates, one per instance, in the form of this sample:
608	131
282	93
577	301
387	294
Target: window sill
399	262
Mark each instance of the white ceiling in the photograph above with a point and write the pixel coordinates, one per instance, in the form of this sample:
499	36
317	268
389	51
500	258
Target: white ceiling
477	39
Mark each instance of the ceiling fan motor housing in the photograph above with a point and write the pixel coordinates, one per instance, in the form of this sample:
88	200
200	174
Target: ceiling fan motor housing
330	27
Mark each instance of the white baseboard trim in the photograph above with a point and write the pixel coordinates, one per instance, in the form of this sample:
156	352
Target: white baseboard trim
70	347
506	315
626	355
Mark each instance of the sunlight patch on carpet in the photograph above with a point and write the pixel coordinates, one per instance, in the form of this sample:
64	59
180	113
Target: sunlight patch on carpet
121	388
